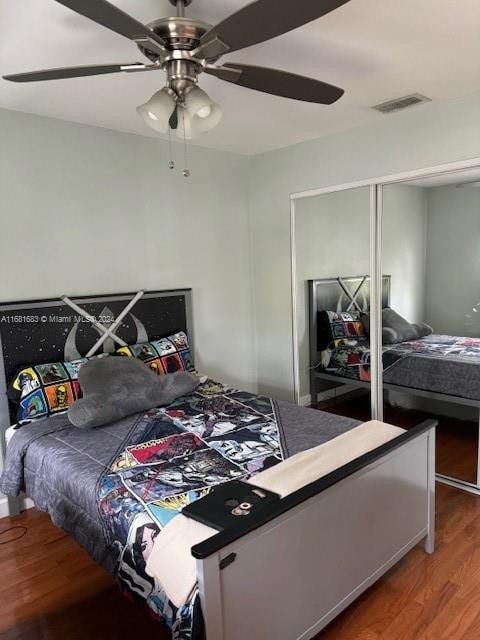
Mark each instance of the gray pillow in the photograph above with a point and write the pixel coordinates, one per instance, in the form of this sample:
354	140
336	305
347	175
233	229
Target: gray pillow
403	329
396	329
423	329
117	387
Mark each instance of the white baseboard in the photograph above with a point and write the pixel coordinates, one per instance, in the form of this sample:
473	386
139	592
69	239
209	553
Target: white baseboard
306	401
26	504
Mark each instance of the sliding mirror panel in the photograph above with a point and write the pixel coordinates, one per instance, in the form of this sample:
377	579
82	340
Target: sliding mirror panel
331	251
431	325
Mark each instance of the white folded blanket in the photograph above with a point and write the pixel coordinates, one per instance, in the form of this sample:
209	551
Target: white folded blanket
171	561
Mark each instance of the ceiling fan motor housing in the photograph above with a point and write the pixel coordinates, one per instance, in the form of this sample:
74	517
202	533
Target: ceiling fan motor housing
178	34
181	35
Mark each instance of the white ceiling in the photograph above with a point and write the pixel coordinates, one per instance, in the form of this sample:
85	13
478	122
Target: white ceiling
376	50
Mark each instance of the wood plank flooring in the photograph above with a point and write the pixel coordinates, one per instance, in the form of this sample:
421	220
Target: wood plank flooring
51	590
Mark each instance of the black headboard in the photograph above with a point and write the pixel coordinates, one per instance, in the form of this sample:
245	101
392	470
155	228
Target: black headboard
340	294
41	331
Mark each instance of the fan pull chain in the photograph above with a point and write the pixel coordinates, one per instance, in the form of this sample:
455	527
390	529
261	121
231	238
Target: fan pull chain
171	162
186	171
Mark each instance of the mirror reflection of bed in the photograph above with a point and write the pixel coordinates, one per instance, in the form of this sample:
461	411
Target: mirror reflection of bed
433	264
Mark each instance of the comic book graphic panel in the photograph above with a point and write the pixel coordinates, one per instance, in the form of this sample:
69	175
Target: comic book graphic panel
338	330
261	464
123	461
261	404
203	468
143	351
163	511
164	346
186	357
211	388
59	396
73	367
132	568
166	449
245	444
172	363
213	415
34	405
77	389
180	340
154	426
26	381
119	508
109	482
156	366
53	372
124	351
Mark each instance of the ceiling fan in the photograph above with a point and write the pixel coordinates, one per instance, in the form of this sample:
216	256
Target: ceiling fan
184	47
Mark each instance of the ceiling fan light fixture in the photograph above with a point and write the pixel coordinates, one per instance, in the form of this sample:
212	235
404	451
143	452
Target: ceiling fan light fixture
205	111
204	124
197	114
157	111
198	103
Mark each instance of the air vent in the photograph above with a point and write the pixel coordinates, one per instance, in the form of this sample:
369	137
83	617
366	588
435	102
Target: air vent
401	103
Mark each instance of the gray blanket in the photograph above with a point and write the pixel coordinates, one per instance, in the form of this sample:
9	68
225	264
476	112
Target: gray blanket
60	466
443	364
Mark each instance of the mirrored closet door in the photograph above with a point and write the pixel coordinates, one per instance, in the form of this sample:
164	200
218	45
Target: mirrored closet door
331	267
431	319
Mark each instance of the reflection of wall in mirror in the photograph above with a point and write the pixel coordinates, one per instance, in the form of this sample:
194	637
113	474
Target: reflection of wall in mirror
453	260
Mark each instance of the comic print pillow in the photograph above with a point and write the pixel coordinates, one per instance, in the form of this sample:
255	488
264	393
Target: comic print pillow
335	330
163	356
44	389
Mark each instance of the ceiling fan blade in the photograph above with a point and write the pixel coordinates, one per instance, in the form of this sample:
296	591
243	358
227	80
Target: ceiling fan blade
260	21
75	72
115	19
278	83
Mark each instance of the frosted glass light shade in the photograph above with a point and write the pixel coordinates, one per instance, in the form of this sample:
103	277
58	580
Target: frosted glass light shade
203	113
157	111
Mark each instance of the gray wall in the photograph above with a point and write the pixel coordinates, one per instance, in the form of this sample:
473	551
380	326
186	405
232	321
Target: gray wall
333	239
86	210
453	260
431	134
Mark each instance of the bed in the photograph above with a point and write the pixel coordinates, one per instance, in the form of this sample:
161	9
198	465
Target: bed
441	367
369	511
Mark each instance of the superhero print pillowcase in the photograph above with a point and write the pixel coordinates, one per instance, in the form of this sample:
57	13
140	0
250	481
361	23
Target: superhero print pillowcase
162	356
45	389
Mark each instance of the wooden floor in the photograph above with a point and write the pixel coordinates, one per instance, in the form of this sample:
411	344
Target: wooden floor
51	590
457	440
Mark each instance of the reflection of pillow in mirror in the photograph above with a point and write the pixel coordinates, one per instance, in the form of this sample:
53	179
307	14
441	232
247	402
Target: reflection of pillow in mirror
397	329
394	327
389	336
423	329
393	320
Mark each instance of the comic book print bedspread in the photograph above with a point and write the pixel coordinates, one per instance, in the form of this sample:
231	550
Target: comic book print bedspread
174	456
450	363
